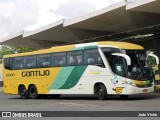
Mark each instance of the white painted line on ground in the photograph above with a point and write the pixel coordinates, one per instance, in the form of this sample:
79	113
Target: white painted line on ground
76	104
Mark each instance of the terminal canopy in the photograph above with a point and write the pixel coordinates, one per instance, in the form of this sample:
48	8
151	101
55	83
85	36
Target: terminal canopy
115	22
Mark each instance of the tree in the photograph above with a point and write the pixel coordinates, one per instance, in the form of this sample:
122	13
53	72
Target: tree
5	50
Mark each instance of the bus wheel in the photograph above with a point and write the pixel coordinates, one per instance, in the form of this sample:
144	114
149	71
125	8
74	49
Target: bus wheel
33	93
23	92
124	96
102	92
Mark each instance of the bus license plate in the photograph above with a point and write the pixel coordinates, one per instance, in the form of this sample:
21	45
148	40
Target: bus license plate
145	90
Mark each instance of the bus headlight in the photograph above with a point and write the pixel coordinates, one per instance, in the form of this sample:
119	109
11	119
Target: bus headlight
133	91
129	82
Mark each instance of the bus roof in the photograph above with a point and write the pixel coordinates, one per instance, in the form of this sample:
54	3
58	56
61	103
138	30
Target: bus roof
120	45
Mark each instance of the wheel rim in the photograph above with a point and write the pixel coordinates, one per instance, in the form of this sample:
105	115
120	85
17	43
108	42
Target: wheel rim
23	92
33	92
100	92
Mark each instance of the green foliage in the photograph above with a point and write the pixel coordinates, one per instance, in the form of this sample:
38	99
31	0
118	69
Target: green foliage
5	50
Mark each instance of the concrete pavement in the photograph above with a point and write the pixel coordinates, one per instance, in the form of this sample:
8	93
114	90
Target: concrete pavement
1	89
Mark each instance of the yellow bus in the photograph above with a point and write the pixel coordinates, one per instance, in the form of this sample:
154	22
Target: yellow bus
101	68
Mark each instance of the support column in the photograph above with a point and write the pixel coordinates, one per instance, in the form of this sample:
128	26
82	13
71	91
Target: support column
157	44
157	52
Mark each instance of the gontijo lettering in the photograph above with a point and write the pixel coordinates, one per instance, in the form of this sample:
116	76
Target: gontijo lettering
35	73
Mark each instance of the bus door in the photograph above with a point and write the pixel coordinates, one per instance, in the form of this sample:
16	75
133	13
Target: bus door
119	67
153	63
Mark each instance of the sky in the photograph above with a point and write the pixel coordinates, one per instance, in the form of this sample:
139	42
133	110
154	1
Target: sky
28	15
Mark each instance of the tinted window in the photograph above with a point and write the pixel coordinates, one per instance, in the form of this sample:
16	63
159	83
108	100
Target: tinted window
43	61
30	62
92	57
7	63
111	50
108	54
59	59
118	67
75	58
18	63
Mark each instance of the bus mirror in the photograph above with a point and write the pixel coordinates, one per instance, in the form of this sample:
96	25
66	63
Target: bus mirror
126	57
155	57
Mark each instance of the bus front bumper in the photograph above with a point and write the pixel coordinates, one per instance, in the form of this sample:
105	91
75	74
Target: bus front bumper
136	90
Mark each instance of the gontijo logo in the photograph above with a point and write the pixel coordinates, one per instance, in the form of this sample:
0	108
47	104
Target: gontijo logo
35	73
118	90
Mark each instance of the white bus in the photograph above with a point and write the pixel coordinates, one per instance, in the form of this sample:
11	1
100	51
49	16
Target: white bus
100	68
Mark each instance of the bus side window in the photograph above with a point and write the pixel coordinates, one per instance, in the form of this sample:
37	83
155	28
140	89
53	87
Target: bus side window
30	62
100	60
92	57
18	63
75	58
7	63
59	59
118	67
43	61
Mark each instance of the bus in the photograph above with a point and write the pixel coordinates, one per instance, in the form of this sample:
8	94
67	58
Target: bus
1	82
100	68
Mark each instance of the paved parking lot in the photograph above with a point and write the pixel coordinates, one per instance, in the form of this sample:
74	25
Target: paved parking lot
1	89
146	102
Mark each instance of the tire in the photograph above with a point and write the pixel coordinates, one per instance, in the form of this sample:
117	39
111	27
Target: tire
124	96
23	92
102	92
33	93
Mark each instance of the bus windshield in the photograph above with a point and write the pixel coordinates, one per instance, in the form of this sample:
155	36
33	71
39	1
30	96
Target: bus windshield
138	59
138	68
